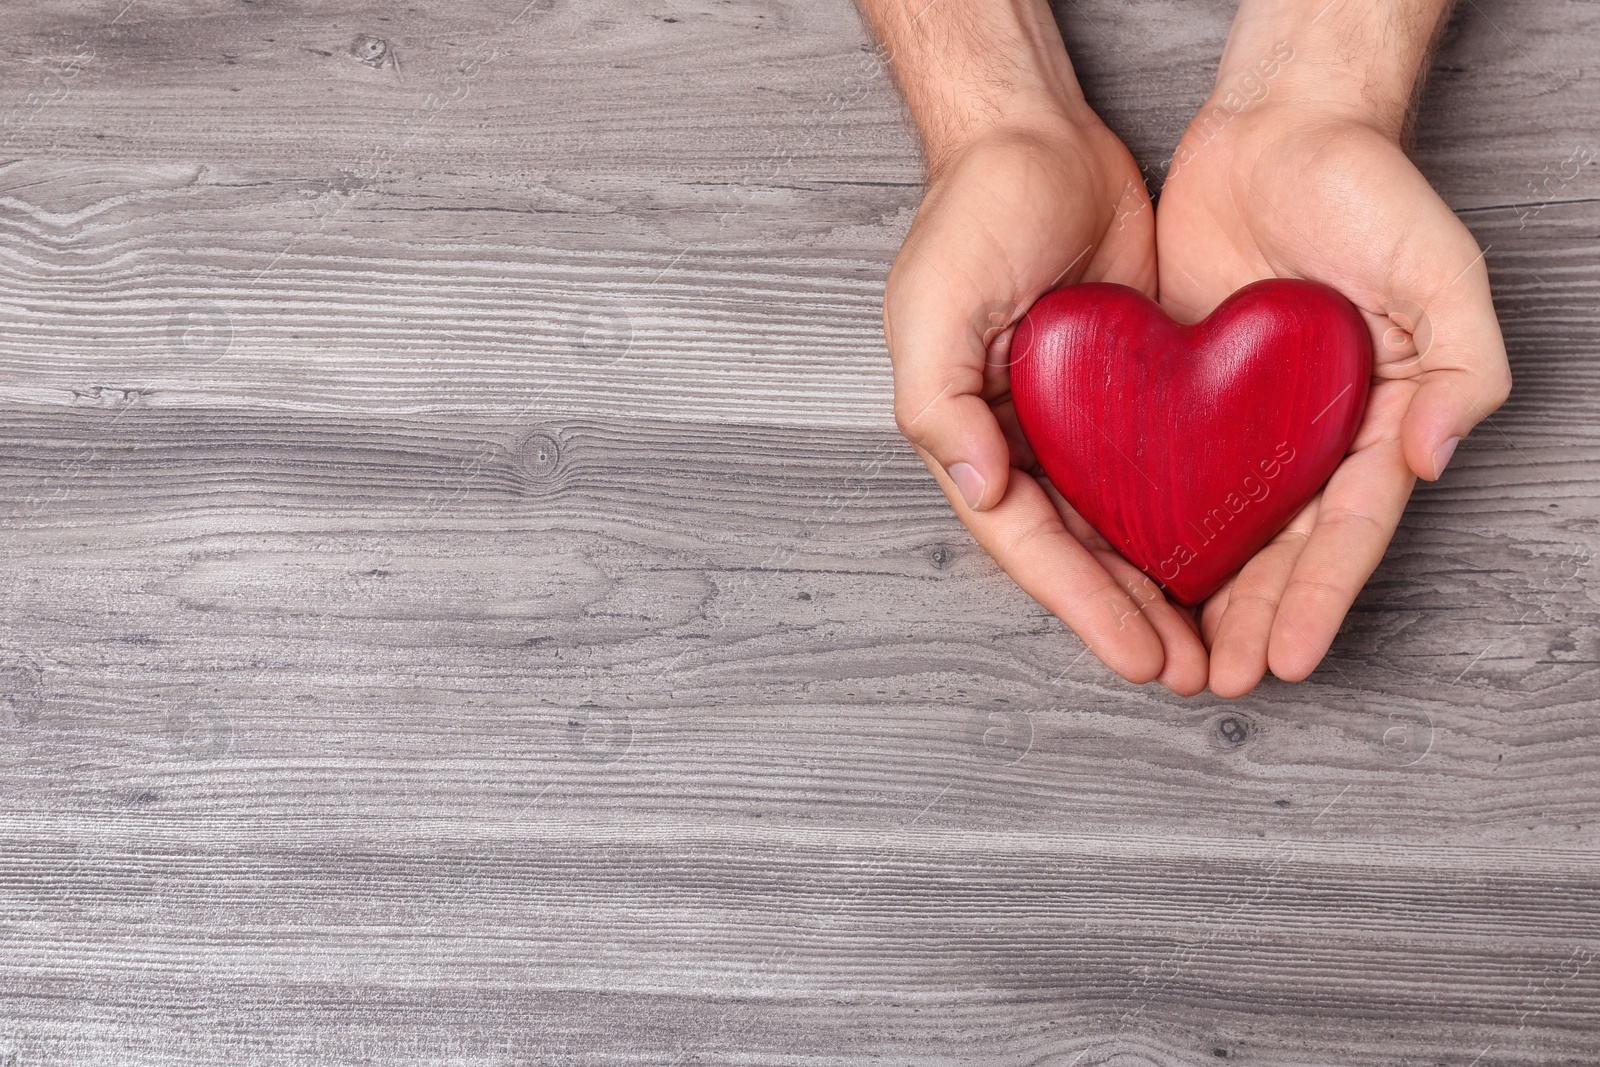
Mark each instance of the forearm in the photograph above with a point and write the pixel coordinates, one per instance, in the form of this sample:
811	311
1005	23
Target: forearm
1360	59
968	66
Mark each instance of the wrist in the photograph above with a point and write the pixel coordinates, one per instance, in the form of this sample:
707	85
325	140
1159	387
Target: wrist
1044	123
971	69
1332	60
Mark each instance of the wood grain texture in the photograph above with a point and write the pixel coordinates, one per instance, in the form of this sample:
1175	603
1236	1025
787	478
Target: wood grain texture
465	602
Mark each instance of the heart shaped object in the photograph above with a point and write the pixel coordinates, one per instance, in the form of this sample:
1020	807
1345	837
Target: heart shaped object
1190	447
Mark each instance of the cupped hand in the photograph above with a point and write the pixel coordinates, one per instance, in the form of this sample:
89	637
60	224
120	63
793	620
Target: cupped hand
1015	212
1274	191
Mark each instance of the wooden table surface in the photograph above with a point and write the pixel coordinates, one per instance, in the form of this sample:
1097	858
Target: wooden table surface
465	601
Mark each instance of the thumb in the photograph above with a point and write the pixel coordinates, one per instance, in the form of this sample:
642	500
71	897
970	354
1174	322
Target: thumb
1460	366
939	355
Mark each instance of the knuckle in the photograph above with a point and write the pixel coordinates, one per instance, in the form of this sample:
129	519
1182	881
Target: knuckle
916	413
1358	523
1250	593
1038	534
1499	387
1319	590
906	416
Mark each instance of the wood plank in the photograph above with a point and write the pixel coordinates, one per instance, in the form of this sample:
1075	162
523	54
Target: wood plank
238	314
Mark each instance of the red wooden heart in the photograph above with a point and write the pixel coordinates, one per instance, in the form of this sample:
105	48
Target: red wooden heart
1189	447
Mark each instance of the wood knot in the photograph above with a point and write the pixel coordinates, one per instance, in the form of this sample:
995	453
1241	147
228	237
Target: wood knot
1234	730
21	691
540	455
373	51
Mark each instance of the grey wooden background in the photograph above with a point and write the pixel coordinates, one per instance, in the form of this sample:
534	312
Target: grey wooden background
464	601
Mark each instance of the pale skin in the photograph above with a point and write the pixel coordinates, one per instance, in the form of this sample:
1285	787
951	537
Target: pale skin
1294	168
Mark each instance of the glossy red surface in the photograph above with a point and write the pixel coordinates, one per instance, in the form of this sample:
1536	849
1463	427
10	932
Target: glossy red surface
1189	447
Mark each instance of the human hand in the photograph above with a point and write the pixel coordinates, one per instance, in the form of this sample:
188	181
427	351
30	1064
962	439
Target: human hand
1027	190
1310	181
1015	214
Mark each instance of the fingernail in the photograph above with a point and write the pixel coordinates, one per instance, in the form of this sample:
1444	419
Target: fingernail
969	481
1442	454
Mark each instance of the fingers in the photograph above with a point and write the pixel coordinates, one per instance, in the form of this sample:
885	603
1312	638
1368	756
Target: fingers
1356	517
1184	666
1464	375
956	430
940	358
1025	535
1213	611
1283	609
1241	631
